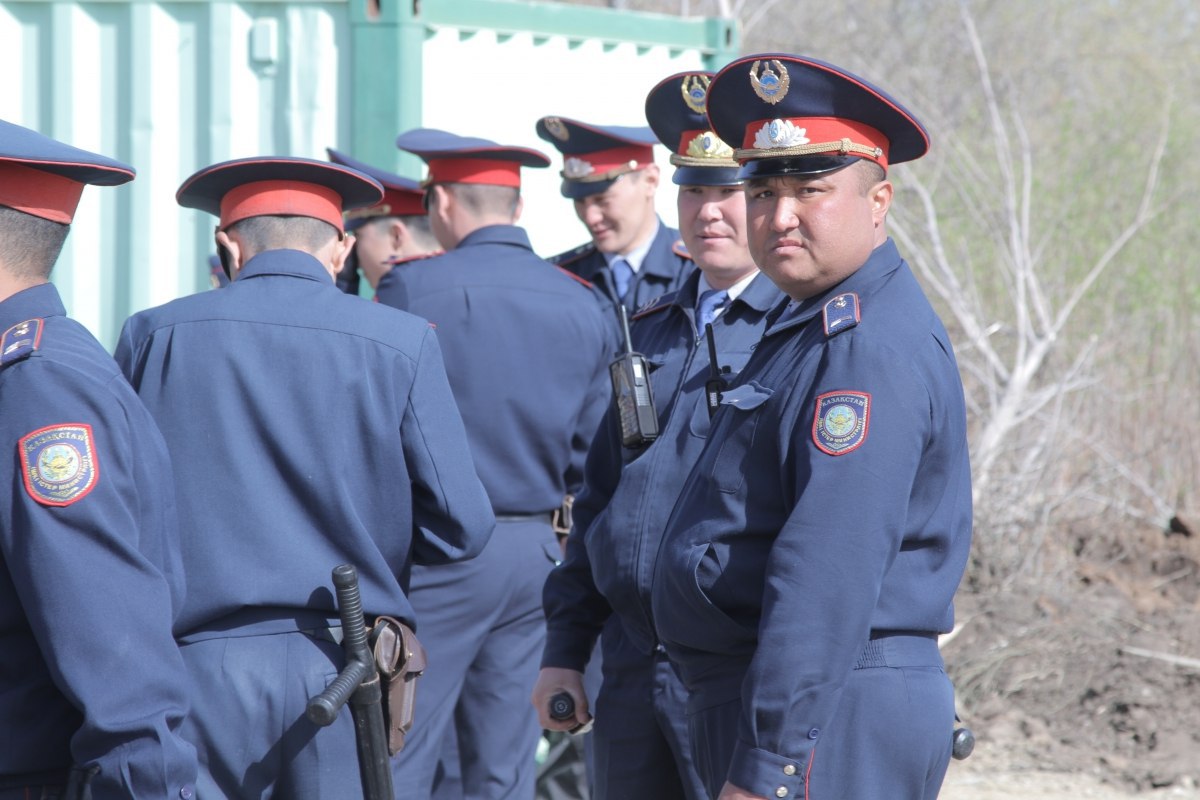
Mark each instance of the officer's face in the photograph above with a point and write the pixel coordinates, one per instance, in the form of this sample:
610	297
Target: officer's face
374	247
712	221
620	217
810	233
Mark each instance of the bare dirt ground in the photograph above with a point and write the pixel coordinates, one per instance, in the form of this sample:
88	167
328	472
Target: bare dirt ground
1084	683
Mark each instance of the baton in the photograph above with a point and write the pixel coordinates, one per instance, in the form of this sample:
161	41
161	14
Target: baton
358	684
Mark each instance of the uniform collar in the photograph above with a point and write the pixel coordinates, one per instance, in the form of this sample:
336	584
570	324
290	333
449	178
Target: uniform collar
883	261
42	300
293	263
637	256
496	234
756	291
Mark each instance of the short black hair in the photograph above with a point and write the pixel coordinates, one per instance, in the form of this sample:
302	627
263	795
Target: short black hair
30	244
485	198
260	234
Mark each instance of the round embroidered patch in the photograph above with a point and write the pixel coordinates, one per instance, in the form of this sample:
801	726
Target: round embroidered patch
840	422
59	463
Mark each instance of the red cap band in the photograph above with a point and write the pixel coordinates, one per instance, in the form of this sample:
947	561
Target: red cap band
818	130
403	204
494	172
40	193
283	199
602	162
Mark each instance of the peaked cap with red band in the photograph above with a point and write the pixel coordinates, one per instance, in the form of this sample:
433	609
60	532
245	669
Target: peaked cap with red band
596	155
402	197
467	159
278	186
792	115
675	110
44	177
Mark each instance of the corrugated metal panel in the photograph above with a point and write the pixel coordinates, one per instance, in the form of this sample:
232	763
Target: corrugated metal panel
170	86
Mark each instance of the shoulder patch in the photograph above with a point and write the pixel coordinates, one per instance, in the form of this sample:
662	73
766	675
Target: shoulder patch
571	256
841	421
655	305
680	249
59	463
841	313
572	275
20	341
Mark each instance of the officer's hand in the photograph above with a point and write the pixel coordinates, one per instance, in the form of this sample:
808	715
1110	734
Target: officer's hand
731	792
551	681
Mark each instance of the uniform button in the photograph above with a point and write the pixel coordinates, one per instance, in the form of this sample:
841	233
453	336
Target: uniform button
658	648
790	769
186	793
781	791
814	733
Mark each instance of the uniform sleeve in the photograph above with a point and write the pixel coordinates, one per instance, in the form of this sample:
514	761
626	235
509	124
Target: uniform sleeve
452	516
595	403
100	611
575	609
826	567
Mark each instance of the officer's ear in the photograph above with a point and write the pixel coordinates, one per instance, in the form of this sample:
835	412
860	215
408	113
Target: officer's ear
650	176
230	250
880	196
343	246
398	236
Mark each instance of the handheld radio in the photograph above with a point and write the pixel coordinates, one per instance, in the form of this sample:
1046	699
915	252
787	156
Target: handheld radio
715	384
631	390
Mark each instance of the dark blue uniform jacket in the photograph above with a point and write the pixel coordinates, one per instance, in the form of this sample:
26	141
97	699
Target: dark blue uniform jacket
308	428
628	494
527	349
832	503
90	572
666	266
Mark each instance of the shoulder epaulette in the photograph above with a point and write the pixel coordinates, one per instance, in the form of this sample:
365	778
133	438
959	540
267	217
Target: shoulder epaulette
20	341
655	305
680	249
571	256
572	275
841	313
399	262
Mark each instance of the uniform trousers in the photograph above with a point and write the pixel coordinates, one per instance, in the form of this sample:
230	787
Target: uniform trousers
483	628
641	747
890	737
248	718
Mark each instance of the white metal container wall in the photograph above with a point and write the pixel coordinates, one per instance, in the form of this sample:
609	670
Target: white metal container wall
170	86
515	80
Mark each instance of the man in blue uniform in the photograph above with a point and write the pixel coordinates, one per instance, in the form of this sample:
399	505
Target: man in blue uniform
394	231
815	549
245	383
527	347
640	739
610	175
91	682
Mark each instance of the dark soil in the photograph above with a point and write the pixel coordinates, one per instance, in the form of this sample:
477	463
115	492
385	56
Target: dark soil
1073	671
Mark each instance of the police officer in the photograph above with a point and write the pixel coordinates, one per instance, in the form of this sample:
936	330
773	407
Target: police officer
394	231
244	383
90	577
610	175
528	348
816	546
641	743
